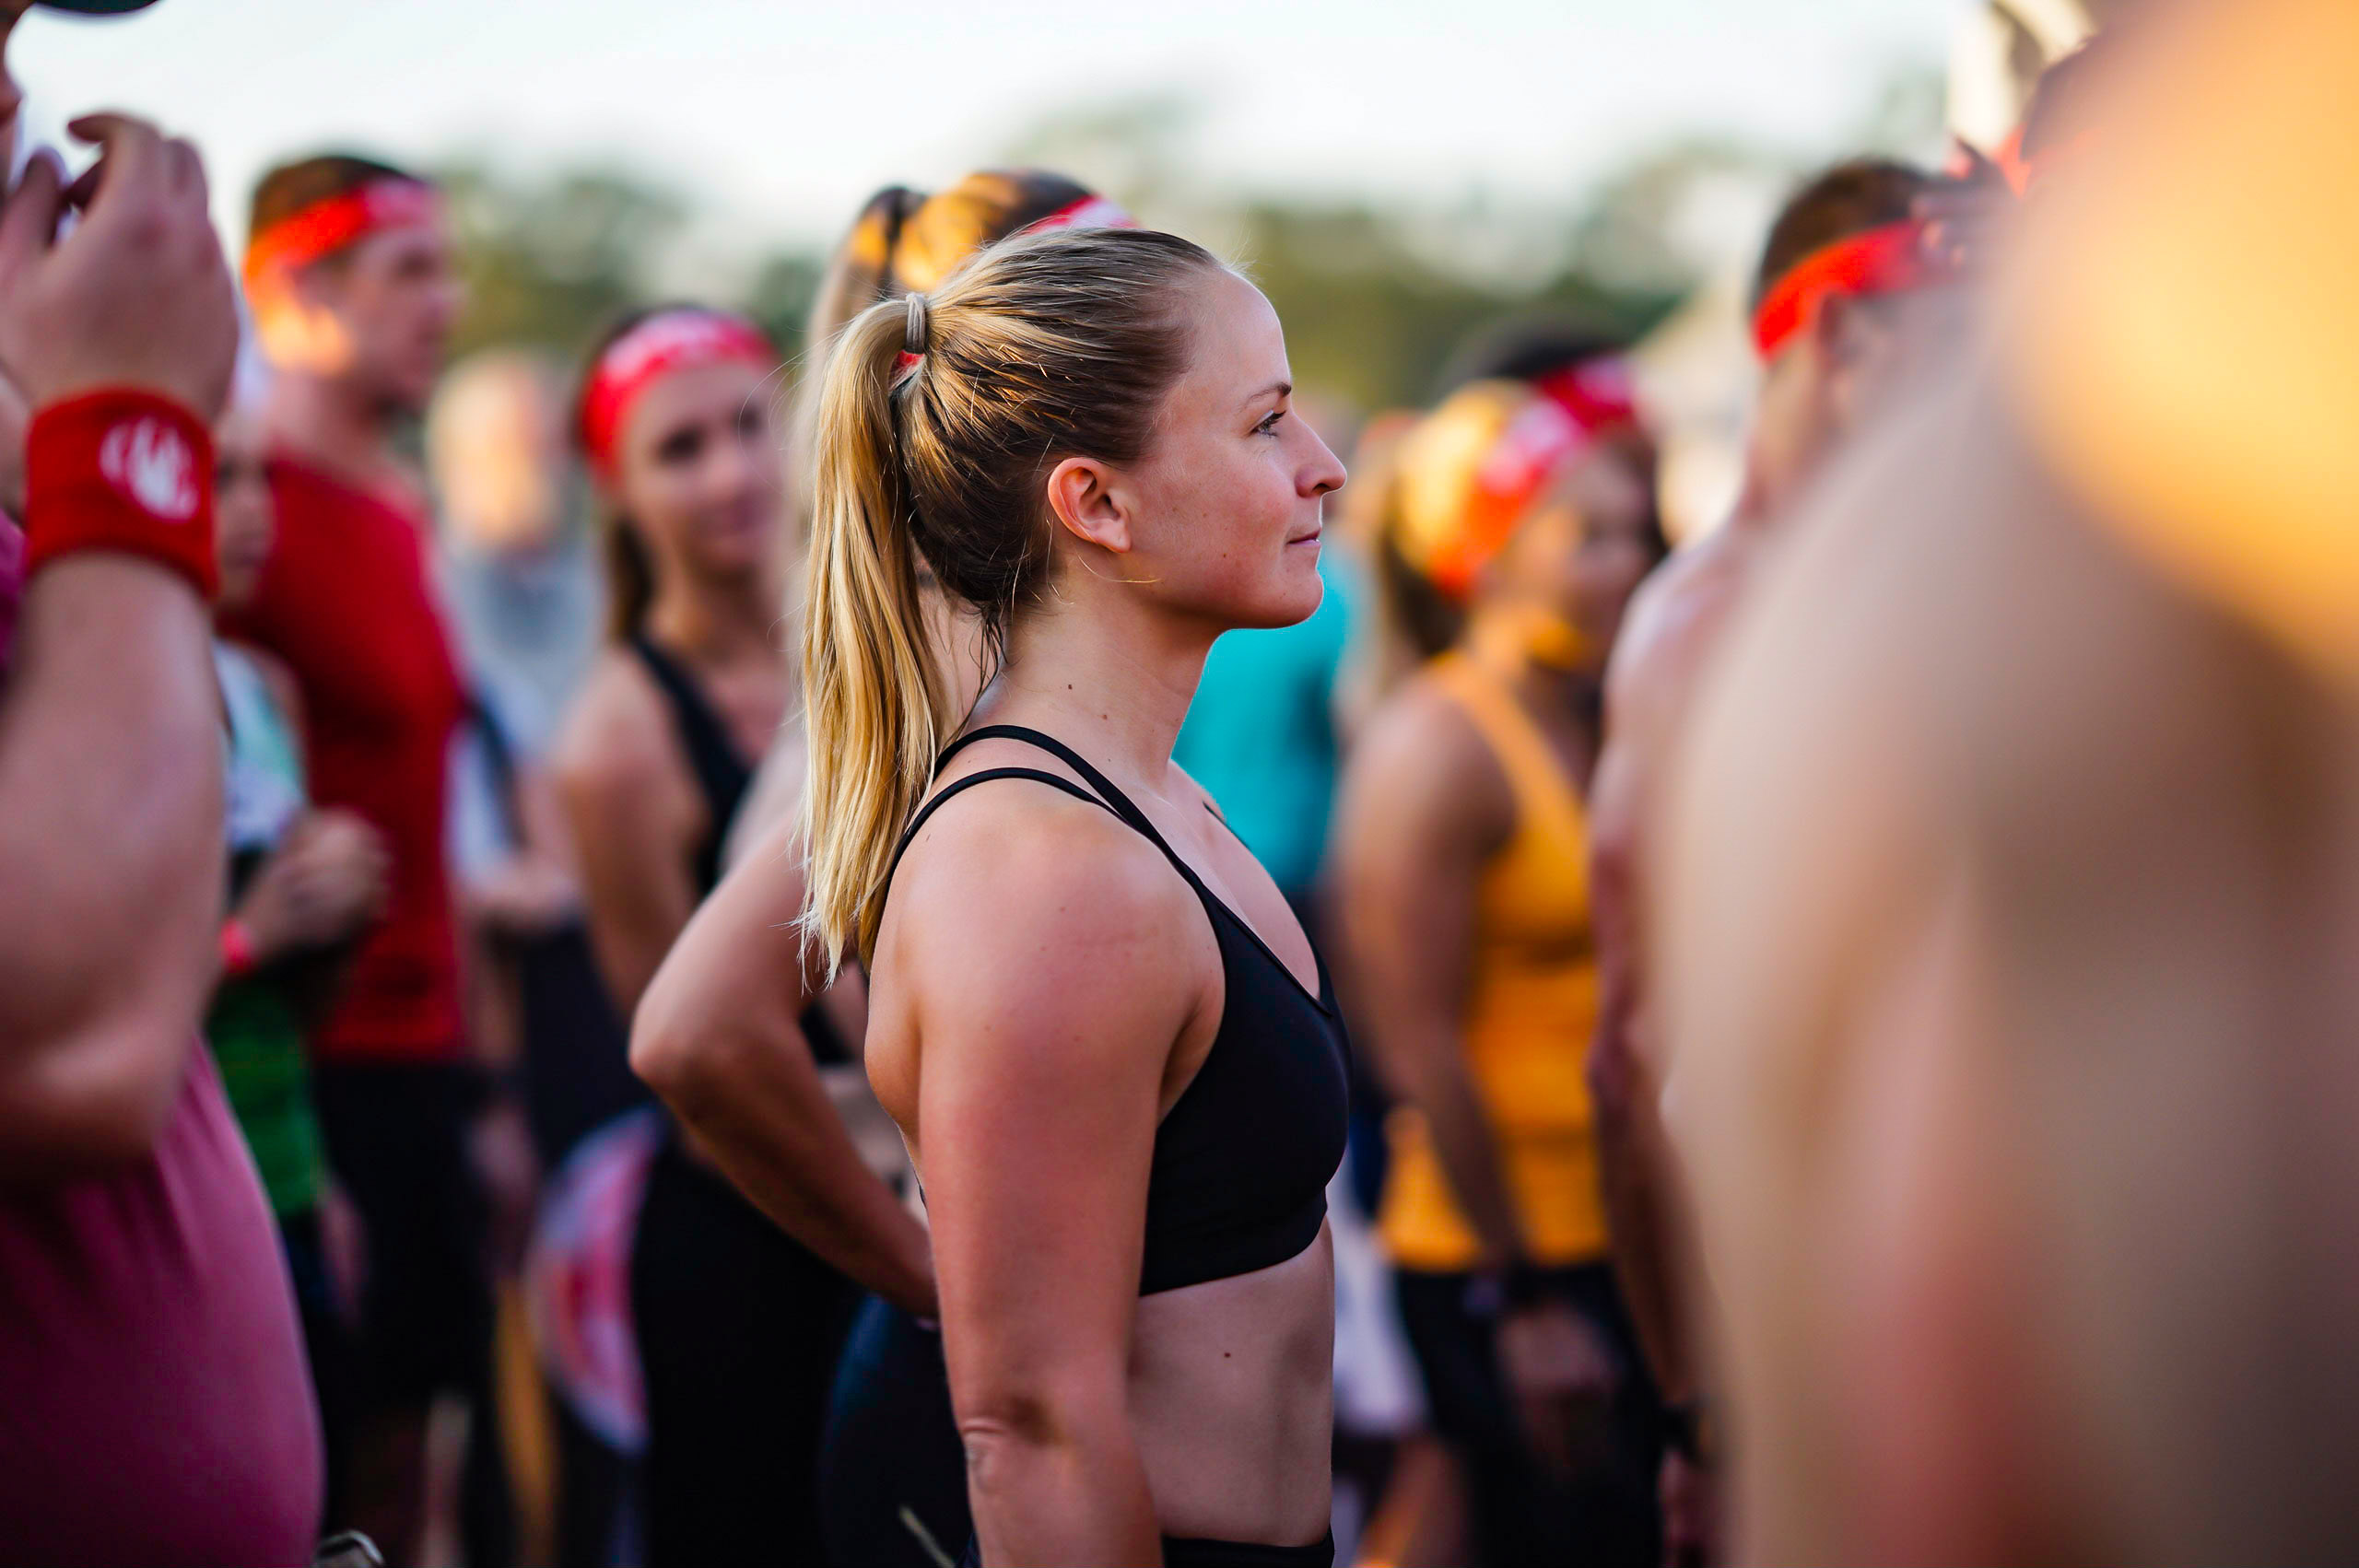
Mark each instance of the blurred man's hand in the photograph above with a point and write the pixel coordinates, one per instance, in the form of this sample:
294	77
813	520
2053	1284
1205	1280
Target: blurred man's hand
137	295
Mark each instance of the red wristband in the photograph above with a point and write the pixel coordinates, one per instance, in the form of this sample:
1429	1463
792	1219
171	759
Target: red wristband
236	949
121	470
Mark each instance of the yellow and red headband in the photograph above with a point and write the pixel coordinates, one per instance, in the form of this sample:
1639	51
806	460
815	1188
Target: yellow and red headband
1886	259
315	232
1084	212
681	339
1475	466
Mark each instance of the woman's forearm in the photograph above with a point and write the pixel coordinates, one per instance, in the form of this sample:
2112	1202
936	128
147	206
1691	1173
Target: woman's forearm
1046	1486
1440	1089
756	1105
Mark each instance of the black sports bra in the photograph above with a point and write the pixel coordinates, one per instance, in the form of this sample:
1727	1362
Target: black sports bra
1243	1157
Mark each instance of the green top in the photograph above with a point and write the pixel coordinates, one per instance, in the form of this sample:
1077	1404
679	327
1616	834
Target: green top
256	1036
258	1044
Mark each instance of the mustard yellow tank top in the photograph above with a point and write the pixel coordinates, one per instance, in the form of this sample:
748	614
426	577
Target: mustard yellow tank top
1530	1012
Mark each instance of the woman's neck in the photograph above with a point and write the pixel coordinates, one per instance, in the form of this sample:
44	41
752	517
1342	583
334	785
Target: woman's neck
715	621
1110	676
1503	638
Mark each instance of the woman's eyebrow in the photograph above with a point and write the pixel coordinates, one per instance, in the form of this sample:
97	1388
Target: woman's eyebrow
1283	389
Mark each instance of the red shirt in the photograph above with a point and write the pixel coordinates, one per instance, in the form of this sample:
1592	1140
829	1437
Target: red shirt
154	1402
345	600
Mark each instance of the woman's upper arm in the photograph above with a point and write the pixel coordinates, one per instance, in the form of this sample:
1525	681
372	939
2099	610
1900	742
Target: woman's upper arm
629	811
738	970
1050	993
1424	807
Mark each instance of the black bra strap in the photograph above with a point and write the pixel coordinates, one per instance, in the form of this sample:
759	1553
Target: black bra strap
1115	801
985	777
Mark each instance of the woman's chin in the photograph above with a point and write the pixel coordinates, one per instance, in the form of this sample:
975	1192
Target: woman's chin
1296	597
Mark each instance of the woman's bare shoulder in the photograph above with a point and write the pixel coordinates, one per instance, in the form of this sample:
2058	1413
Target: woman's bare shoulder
1018	896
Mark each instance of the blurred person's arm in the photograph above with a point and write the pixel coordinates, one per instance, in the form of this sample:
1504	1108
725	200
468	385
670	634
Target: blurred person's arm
1645	1202
324	884
111	851
631	814
1634	1160
716	1038
1424	805
534	888
109	722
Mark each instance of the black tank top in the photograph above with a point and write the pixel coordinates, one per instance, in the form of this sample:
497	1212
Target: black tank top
1243	1157
724	775
721	773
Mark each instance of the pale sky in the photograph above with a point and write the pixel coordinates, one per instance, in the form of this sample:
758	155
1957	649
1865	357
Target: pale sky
779	118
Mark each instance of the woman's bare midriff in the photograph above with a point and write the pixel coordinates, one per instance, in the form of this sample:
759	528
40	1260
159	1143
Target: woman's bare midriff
1231	1399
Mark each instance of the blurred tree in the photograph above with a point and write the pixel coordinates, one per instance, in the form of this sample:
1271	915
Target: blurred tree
552	262
1374	302
1371	324
781	295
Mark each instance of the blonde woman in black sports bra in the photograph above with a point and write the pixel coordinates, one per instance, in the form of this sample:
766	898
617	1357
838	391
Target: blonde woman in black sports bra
1111	1049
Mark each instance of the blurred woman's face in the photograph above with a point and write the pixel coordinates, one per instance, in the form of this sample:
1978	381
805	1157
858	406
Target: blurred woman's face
243	524
1229	498
699	473
1582	551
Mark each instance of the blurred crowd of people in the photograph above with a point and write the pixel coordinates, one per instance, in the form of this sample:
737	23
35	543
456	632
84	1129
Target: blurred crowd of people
1845	1012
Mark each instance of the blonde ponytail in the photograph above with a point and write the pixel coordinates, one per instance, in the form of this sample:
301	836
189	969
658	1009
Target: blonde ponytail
874	712
1047	347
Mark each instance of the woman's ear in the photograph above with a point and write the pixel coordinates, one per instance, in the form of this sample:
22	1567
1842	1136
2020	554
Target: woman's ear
1081	494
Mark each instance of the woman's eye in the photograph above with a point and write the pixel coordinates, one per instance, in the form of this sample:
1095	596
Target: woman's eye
1269	425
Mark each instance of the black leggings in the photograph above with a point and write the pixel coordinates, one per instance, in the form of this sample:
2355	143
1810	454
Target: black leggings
1178	1553
1604	1514
739	1326
893	1448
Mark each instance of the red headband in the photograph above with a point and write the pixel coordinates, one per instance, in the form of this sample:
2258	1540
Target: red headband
1574	408
308	234
1878	260
665	342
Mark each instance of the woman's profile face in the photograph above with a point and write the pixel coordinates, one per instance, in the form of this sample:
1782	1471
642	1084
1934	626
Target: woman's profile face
1229	494
699	473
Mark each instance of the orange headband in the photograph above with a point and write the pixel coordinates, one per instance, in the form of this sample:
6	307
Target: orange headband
665	342
1878	260
311	233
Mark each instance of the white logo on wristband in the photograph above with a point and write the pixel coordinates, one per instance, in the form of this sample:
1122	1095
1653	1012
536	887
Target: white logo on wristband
150	463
